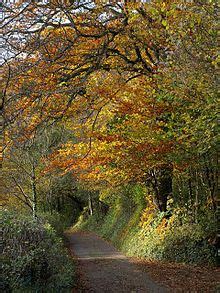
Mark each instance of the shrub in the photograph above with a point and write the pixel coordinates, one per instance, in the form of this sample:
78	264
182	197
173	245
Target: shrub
33	256
186	243
168	240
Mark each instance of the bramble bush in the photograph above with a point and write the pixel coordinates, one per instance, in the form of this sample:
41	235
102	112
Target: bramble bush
33	256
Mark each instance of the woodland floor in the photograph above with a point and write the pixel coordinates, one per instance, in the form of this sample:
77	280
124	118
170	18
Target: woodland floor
101	268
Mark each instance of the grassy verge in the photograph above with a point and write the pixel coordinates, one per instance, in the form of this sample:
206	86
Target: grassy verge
152	236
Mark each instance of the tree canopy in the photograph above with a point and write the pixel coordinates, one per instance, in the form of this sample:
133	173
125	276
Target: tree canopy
135	83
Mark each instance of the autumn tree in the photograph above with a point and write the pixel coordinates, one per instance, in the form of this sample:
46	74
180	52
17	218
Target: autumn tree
124	78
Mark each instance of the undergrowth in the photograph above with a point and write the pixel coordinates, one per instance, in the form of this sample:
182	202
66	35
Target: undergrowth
33	258
139	230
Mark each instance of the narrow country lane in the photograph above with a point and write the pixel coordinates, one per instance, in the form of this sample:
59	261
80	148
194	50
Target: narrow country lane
105	269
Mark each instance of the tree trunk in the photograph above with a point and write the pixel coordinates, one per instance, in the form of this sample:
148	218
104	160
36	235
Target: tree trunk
196	196
90	205
58	205
162	186
1	131
34	194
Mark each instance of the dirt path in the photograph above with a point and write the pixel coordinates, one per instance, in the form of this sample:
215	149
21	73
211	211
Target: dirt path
104	269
